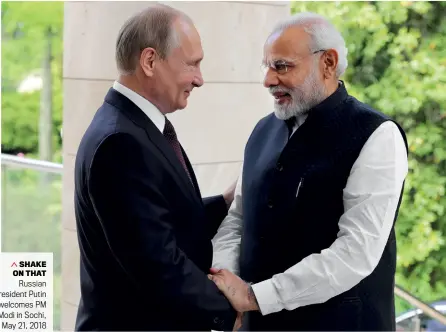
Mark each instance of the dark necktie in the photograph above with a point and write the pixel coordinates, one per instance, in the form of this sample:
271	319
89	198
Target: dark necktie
171	136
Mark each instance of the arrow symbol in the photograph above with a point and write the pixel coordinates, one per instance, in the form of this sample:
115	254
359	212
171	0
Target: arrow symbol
14	264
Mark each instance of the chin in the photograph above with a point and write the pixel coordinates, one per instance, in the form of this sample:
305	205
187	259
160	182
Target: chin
283	113
182	105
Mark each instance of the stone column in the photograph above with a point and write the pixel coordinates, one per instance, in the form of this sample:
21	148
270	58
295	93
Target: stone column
214	127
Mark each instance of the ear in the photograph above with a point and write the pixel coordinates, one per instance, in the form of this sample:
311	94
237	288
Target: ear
330	63
147	61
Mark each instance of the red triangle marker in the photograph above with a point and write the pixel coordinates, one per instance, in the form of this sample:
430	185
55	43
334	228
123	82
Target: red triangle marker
14	264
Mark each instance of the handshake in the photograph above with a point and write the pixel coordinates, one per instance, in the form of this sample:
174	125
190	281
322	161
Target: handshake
238	292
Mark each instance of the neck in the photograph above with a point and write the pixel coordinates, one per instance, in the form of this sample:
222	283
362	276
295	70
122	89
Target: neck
133	83
331	87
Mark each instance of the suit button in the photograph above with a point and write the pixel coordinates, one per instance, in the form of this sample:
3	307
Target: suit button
279	167
218	321
270	203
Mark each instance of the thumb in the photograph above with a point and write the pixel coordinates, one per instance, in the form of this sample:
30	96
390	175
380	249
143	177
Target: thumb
218	282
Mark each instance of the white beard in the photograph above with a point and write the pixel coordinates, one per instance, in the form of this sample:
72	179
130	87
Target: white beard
303	97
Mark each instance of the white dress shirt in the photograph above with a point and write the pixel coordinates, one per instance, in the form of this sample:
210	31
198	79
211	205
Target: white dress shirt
370	200
146	106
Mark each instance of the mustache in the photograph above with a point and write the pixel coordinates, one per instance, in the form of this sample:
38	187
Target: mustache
275	89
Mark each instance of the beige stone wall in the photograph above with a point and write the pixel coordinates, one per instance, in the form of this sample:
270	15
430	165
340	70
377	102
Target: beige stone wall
214	127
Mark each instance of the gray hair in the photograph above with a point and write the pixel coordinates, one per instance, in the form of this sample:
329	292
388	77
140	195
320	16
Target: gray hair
323	35
152	27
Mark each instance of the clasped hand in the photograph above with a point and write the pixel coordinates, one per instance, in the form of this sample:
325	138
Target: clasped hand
238	292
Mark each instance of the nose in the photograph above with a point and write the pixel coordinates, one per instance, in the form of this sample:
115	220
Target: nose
198	79
270	79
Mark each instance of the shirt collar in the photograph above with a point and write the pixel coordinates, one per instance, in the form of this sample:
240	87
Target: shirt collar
146	106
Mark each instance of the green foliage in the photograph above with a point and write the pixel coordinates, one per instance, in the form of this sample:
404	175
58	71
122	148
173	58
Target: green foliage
31	219
23	42
397	58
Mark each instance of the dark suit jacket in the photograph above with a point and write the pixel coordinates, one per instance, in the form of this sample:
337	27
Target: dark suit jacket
144	232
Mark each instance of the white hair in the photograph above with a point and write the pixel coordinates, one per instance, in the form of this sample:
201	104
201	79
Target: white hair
323	35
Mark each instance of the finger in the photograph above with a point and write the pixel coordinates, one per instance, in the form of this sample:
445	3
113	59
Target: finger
226	273
236	326
219	282
214	278
222	284
238	322
214	270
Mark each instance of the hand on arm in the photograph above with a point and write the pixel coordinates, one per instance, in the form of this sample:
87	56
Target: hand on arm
237	291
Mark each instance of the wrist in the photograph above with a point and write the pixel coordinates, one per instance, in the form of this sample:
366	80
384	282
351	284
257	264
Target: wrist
253	305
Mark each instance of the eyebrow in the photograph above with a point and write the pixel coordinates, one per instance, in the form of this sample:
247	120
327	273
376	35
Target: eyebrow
284	59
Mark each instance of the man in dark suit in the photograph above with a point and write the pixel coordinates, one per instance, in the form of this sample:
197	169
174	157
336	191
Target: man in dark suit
144	231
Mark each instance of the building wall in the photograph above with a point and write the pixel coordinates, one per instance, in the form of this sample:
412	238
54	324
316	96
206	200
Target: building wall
213	128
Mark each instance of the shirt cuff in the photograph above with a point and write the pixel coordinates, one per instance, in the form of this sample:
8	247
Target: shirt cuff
267	297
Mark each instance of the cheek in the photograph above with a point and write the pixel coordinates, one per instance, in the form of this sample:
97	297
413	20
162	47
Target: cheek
291	81
287	83
296	79
184	82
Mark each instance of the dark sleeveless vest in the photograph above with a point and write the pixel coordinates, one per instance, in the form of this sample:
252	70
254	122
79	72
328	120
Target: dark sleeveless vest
283	224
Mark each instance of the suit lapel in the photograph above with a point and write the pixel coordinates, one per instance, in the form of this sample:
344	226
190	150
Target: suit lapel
156	137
